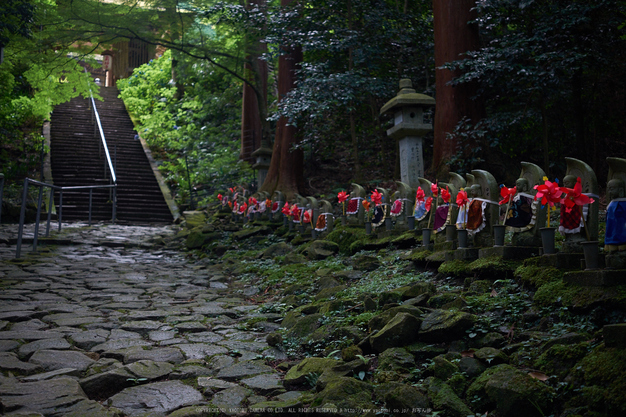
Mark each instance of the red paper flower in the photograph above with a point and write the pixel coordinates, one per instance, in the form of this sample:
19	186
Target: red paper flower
575	197
230	204
295	210
242	209
507	194
366	204
445	195
548	192
219	197
286	210
342	196
268	203
232	190
434	189
420	195
377	197
461	198
429	203
252	201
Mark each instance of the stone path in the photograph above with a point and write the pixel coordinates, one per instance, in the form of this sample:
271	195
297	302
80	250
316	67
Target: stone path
108	323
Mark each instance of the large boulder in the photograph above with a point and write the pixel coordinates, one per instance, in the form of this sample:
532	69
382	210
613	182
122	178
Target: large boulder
298	374
445	326
444	398
321	249
514	393
399	396
346	395
400	331
379	321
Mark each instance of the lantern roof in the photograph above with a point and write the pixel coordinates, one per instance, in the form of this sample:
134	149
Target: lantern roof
407	97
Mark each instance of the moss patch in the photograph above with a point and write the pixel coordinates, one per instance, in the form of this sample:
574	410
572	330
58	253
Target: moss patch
456	268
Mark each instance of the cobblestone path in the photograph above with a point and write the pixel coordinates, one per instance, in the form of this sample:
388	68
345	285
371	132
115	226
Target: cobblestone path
107	323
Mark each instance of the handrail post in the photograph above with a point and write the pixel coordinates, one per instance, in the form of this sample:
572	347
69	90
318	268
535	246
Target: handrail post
60	208
39	203
90	197
20	230
50	205
114	203
1	194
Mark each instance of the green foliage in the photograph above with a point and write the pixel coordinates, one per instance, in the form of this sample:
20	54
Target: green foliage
197	136
546	72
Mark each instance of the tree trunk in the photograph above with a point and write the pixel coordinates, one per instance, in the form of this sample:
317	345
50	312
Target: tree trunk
453	37
286	167
254	125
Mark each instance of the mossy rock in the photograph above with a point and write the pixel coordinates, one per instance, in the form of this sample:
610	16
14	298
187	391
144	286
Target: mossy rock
419	288
329	292
419	255
423	351
537	275
305	326
405	241
398	396
261	409
365	263
322	333
580	298
493	267
438	301
436	258
346	236
277	249
204	410
379	321
297	375
341	369
602	374
396	360
321	249
513	392
346	394
194	218
491	356
559	360
196	239
481	286
455	268
442	325
248	232
292	316
444	398
399	331
294	258
443	368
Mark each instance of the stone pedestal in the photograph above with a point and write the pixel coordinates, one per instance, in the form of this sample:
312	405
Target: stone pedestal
616	260
614	335
509	252
465	254
562	260
598	278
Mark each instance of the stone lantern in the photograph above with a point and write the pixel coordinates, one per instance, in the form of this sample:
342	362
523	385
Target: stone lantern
412	120
263	156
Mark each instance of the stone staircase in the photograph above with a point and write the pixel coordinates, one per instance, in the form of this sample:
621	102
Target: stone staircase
77	159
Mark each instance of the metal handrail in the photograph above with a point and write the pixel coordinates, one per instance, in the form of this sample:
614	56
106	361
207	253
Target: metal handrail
41	186
102	138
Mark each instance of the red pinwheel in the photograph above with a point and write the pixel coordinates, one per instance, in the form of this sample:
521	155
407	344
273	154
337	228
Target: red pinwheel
548	192
243	208
429	203
445	195
461	198
507	194
342	197
420	195
286	210
268	203
252	201
376	197
232	190
295	211
574	196
434	189
219	197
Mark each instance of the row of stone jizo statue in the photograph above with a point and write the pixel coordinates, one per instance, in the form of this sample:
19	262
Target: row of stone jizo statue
475	205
